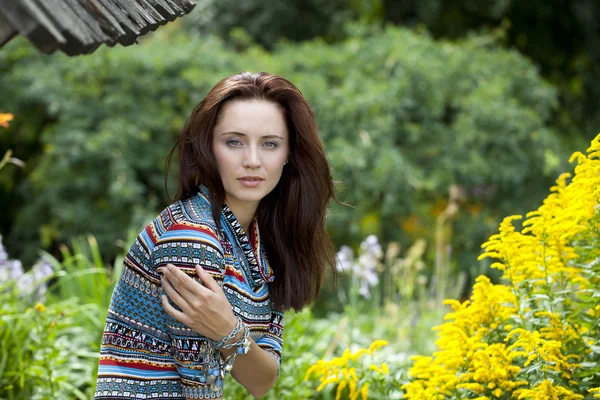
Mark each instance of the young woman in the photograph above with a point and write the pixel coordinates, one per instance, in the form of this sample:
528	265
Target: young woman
204	287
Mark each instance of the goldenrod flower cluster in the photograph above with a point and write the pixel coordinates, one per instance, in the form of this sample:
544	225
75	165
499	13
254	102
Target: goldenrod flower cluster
347	372
538	335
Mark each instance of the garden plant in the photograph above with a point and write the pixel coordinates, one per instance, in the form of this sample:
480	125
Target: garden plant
536	335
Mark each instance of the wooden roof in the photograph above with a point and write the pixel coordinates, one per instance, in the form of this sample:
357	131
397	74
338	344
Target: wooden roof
81	26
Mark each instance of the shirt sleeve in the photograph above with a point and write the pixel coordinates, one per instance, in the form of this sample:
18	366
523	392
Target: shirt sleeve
136	359
272	340
186	246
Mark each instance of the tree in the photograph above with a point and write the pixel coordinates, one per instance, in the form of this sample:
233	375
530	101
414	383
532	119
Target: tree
562	37
404	117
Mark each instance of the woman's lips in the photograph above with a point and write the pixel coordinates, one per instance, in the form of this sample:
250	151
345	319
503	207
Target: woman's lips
250	182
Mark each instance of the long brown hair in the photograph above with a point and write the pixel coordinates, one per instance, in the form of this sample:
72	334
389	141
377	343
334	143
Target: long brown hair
292	217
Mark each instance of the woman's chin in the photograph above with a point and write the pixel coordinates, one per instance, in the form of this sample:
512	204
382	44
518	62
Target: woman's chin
250	195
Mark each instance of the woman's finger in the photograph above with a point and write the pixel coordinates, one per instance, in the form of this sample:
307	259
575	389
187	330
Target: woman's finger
185	285
174	295
172	311
208	280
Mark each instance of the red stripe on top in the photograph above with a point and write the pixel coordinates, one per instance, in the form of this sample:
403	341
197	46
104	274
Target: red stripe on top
232	272
180	227
136	365
151	234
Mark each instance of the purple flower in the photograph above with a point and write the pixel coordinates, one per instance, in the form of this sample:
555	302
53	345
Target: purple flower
363	269
3	253
344	260
364	290
370	277
371	246
25	284
41	270
10	270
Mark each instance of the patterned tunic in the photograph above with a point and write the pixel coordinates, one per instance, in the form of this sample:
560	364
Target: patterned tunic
146	353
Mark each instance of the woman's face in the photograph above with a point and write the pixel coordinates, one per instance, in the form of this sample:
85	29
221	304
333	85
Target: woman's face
251	145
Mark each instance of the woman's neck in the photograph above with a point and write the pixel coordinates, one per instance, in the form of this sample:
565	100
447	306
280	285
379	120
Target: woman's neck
244	212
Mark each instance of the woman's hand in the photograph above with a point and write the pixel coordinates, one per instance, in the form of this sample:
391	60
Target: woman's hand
204	309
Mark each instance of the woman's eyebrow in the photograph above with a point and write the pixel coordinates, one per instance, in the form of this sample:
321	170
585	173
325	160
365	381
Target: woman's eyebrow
243	134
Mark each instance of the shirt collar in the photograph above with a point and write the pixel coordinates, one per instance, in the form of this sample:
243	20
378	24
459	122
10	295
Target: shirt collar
250	244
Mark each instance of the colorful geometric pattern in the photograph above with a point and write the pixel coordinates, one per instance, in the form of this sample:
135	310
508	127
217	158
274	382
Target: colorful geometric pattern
145	353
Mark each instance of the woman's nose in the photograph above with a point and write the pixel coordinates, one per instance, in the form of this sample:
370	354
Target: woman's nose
251	158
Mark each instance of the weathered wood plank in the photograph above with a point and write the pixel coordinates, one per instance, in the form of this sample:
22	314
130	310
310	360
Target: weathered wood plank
33	23
68	21
139	16
186	5
87	21
7	31
81	26
152	12
106	20
164	9
132	32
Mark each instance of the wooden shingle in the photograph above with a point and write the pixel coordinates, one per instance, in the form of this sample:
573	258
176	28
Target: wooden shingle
81	26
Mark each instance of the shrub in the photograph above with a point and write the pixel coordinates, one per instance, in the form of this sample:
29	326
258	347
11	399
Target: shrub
403	116
304	338
355	374
537	335
51	321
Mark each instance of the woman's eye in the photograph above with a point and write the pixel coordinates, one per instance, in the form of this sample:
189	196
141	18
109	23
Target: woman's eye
271	145
233	142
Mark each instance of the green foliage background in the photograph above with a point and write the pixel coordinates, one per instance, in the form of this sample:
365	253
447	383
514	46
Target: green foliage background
561	37
403	118
413	99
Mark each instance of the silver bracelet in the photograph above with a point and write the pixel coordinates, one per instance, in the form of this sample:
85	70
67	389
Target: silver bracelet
243	347
239	343
238	327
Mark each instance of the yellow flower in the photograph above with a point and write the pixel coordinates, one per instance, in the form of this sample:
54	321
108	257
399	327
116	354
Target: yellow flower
486	342
353	392
39	307
352	373
340	389
343	371
5	119
376	368
364	391
376	345
547	390
326	382
317	368
385	368
355	356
